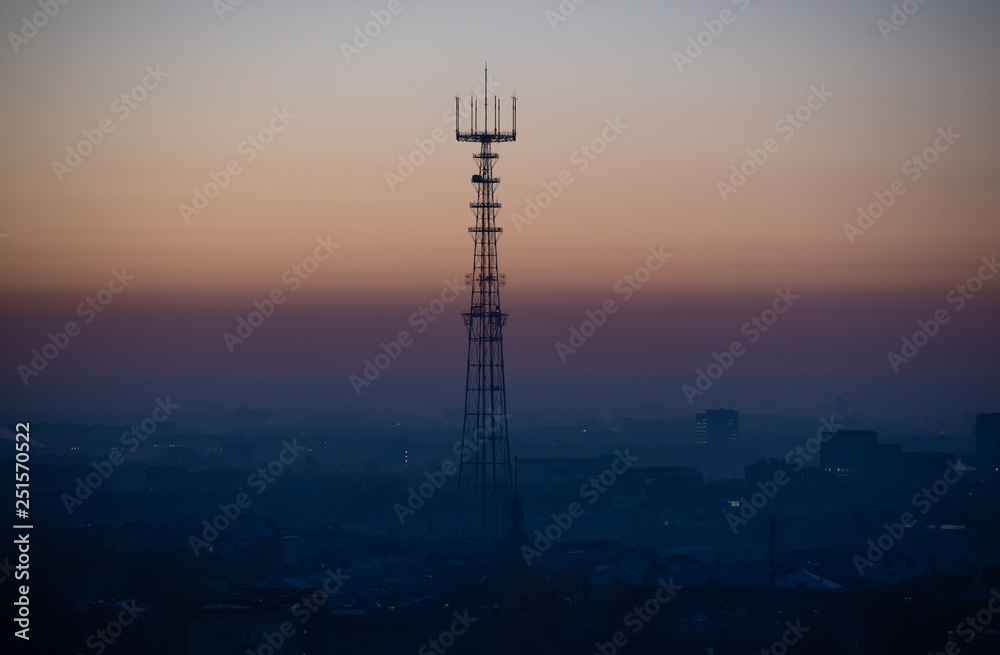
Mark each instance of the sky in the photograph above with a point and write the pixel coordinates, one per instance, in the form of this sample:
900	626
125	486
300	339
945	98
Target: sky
643	109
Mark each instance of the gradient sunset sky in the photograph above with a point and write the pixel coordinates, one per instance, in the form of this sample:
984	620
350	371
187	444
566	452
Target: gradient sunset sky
324	175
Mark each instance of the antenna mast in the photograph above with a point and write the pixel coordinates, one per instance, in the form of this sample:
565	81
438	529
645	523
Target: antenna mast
485	478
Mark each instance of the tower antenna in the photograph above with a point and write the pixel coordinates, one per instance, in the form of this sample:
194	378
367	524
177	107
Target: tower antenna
485	480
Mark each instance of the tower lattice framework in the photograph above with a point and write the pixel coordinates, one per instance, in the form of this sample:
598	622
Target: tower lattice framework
486	485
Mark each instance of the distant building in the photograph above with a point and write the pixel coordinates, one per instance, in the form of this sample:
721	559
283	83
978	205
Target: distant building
850	452
858	454
889	462
763	471
717	428
926	467
987	432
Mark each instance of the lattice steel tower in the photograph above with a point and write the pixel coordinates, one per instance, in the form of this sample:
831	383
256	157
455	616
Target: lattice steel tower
485	482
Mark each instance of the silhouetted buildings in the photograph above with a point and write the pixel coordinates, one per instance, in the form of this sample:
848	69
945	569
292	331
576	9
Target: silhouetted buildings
717	428
987	433
857	454
828	505
850	452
